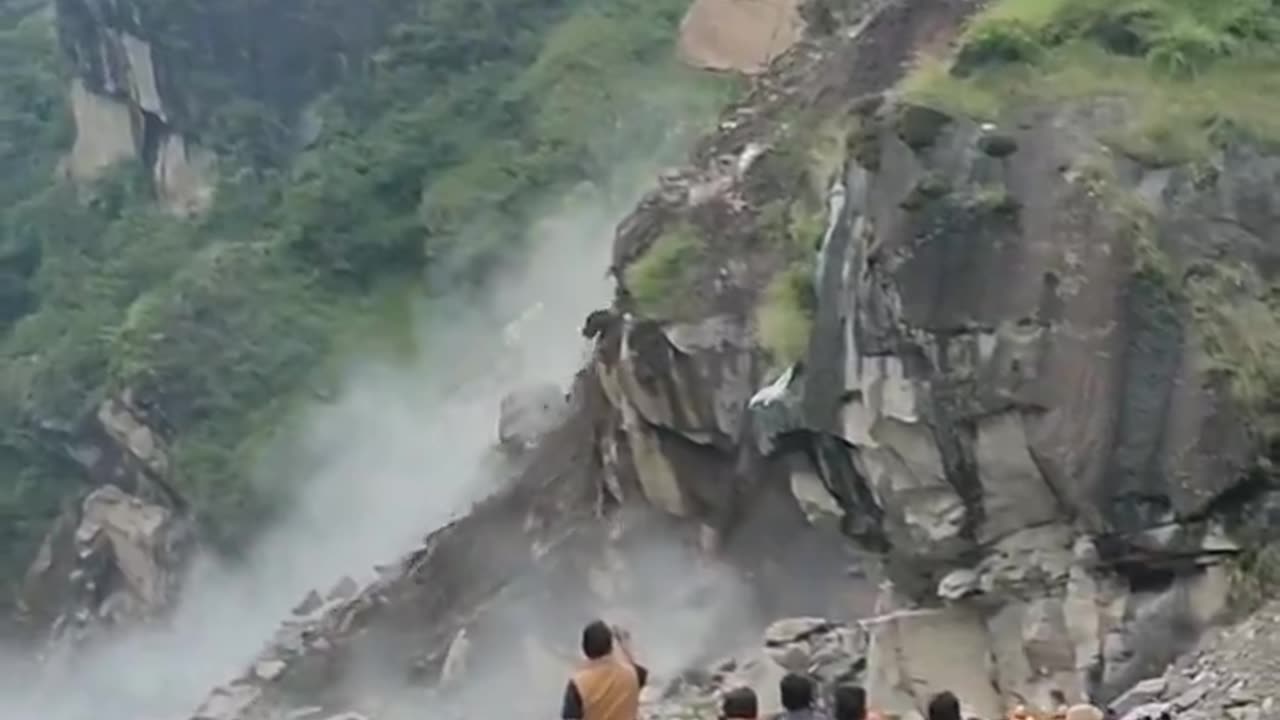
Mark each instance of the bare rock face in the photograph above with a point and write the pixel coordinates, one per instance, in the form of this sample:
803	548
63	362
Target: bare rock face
739	35
1013	392
115	556
140	91
114	560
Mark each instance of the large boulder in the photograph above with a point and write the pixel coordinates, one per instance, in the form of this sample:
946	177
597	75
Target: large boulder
739	35
114	559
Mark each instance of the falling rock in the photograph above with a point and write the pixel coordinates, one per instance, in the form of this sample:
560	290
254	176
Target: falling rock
269	670
1143	693
792	630
818	505
344	590
309	604
958	584
455	661
792	658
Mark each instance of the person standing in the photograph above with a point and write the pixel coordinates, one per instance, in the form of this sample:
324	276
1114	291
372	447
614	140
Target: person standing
607	685
740	704
944	706
797	699
850	703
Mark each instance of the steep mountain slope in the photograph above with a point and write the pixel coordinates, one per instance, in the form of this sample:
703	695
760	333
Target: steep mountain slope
268	184
965	305
1001	317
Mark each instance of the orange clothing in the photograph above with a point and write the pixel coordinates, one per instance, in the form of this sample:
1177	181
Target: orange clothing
609	688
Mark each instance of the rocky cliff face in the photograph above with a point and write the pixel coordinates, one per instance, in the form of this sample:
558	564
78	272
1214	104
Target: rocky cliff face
146	83
1020	401
1015	391
486	595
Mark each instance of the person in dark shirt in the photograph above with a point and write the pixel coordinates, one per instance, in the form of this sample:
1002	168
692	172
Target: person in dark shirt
850	703
944	706
740	704
797	698
606	686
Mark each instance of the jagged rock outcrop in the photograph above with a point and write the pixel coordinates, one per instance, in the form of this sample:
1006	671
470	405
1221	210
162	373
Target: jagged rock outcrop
116	556
144	87
112	560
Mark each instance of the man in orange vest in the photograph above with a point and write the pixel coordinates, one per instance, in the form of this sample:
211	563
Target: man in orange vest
607	686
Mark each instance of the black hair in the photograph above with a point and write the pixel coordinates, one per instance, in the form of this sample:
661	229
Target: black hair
944	706
850	703
797	692
597	640
740	703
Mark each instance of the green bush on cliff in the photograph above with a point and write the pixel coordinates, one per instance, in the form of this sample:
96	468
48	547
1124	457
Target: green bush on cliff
661	281
785	315
1189	69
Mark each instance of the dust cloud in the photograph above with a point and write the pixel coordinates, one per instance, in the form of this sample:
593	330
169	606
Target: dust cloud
401	449
683	610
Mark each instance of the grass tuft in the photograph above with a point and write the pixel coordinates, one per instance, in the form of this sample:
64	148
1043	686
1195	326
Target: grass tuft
785	318
1187	67
660	281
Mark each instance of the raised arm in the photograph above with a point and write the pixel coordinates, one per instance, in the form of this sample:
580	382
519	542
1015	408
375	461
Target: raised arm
622	641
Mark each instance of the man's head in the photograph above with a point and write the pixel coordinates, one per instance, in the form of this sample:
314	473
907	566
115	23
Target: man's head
944	706
797	692
850	703
597	640
740	704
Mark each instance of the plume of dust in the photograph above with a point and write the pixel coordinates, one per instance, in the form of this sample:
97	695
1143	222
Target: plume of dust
400	451
682	610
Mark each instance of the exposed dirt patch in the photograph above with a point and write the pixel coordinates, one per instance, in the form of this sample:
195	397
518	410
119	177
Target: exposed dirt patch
739	35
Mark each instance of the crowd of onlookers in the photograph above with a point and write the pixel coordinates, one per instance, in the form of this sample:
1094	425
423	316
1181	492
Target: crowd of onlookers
849	702
607	687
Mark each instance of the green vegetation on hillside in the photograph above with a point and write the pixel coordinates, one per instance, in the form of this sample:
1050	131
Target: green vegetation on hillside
428	163
661	280
1193	71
